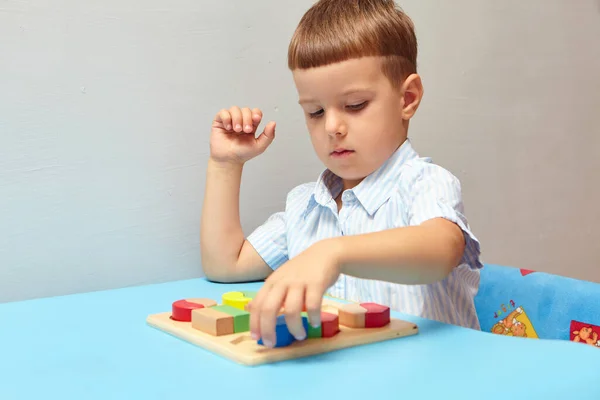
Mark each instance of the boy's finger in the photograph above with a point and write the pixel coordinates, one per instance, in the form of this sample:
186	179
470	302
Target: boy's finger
314	301
266	137
224	118
254	309
247	120
236	119
256	116
268	315
294	302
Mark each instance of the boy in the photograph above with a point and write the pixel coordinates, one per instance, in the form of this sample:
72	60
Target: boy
380	223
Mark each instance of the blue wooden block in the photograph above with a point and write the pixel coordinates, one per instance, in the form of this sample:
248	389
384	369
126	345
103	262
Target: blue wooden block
284	337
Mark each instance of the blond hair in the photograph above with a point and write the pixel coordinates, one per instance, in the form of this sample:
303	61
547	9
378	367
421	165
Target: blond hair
338	30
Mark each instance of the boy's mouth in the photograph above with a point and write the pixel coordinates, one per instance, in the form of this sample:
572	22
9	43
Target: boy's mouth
337	153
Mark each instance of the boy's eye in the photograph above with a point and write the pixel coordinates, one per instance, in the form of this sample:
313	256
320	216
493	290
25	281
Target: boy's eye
353	107
357	106
315	114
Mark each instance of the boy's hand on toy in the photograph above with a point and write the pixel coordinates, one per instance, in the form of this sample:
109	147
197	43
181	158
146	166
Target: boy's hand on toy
233	140
300	283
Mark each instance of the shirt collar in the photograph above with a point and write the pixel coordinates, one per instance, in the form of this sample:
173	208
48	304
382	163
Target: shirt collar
373	191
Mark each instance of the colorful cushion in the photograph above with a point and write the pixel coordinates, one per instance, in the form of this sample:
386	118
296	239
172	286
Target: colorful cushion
537	305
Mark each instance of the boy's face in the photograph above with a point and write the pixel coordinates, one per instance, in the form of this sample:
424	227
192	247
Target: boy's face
355	117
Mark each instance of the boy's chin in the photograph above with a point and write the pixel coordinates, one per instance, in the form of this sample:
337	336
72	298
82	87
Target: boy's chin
350	174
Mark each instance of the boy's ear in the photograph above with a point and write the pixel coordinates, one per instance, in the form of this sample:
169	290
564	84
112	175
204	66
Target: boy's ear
412	93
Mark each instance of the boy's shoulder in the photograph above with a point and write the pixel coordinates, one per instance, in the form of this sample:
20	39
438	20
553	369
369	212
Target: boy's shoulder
414	175
421	180
423	170
301	193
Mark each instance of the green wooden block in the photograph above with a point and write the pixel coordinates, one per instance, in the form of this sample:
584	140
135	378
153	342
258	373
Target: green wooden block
241	318
311	332
249	294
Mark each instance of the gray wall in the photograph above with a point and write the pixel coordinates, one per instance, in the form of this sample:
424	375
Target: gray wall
105	111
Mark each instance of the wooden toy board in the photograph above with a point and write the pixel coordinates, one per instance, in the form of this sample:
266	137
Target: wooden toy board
242	349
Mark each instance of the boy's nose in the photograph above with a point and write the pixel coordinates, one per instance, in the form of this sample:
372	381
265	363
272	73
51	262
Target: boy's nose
334	125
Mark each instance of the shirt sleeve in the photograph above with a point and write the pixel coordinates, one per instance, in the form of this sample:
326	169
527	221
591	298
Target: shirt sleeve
436	193
270	240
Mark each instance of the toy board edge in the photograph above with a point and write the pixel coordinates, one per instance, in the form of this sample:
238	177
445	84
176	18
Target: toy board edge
352	337
163	322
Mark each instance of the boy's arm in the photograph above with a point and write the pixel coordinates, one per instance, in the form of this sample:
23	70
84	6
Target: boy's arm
419	255
436	241
226	255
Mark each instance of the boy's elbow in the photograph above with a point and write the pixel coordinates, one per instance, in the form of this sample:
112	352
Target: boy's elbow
455	251
451	241
217	273
212	275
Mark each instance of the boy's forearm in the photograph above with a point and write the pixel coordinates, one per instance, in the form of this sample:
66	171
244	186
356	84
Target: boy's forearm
221	235
409	255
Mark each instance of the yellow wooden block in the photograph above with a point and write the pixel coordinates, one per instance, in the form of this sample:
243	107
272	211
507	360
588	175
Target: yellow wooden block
236	299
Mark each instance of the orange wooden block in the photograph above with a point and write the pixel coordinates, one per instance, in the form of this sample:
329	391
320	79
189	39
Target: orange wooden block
352	315
213	322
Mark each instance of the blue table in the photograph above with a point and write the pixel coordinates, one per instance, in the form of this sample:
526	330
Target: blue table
98	346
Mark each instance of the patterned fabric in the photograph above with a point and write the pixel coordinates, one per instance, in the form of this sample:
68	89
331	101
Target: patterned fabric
405	190
525	303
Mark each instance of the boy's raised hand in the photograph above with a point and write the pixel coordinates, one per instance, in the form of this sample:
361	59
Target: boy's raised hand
299	283
233	137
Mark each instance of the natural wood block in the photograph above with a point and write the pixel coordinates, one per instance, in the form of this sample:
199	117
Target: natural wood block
241	318
352	316
182	309
204	301
213	322
377	315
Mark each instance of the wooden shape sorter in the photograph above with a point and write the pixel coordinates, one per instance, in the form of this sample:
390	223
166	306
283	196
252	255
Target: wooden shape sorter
222	328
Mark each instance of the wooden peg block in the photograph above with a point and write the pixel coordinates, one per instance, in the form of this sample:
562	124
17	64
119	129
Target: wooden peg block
238	300
377	315
311	332
249	294
241	318
182	309
213	322
330	324
352	315
204	301
283	336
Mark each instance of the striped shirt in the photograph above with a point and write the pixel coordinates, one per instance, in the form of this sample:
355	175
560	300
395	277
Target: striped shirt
406	190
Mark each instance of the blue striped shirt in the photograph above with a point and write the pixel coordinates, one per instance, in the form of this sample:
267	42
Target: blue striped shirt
406	190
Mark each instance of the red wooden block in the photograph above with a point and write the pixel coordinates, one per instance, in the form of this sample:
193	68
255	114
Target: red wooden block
377	315
526	272
330	324
182	309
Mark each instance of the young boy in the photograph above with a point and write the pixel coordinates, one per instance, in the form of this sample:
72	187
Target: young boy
380	223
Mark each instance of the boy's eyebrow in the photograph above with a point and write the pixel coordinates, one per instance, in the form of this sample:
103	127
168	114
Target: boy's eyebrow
344	93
